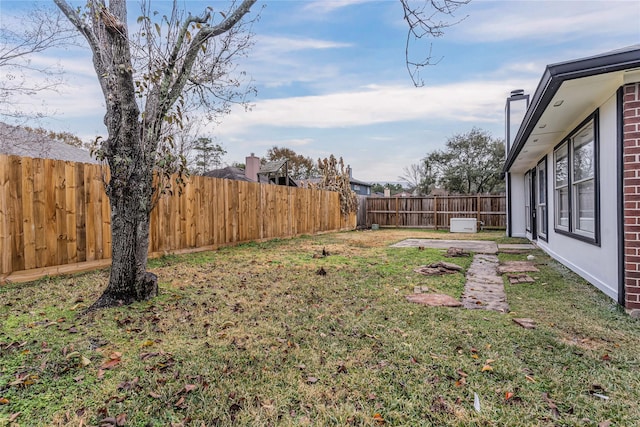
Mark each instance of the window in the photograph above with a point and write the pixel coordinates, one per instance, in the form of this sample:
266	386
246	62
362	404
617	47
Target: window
356	187
541	198
576	171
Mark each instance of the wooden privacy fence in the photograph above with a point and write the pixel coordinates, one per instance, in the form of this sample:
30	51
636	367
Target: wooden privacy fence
436	211
55	216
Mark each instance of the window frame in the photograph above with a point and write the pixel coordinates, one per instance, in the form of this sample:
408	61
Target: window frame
571	228
527	201
542	214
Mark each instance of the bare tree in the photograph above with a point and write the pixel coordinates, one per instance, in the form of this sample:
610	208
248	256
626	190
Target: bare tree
21	37
413	175
150	81
423	19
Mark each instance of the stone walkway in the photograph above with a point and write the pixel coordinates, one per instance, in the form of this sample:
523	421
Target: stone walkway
484	288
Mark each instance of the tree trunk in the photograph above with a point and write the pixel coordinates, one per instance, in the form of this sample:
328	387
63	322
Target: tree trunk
129	281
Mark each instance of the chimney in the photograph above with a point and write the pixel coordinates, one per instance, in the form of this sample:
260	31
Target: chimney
515	109
251	167
350	172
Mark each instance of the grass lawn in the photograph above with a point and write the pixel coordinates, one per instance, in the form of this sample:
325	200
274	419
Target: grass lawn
253	336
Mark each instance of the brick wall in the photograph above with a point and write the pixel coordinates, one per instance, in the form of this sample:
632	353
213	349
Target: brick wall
631	155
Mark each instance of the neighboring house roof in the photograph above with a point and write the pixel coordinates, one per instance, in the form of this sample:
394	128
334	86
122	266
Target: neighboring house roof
564	92
17	141
358	182
228	173
272	167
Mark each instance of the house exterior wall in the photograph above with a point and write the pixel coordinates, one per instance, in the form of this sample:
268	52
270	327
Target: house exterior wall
631	191
598	264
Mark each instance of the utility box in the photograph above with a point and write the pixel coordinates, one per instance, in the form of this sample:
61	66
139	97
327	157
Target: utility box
463	225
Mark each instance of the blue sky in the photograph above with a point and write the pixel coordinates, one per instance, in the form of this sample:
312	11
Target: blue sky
331	76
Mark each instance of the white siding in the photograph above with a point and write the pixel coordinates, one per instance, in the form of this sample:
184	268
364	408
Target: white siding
597	264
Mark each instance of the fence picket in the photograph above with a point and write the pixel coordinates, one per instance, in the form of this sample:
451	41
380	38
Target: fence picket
55	216
436	211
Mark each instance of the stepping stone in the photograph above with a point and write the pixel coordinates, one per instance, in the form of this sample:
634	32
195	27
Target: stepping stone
514	279
517	267
484	289
434	300
438	268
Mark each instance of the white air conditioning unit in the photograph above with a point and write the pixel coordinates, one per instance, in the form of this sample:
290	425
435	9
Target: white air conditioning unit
463	225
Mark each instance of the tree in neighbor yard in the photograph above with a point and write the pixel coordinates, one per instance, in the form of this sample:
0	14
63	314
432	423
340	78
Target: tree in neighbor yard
470	163
299	166
150	81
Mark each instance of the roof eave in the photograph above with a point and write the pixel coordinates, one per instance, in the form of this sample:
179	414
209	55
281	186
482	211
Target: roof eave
553	78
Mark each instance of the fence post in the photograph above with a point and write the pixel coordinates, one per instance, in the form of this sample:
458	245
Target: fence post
397	213
478	207
435	212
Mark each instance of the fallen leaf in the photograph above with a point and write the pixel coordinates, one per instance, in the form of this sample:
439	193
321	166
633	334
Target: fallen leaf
606	357
148	343
14	416
462	373
154	395
489	361
508	395
121	420
108	421
312	380
487	368
605	423
110	363
378	418
530	378
189	387
4	401
180	403
85	361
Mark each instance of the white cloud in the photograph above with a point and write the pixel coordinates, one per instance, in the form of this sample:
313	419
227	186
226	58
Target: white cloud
270	45
547	20
327	6
470	101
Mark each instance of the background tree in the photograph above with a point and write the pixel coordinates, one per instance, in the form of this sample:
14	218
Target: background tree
150	80
334	176
38	29
471	163
414	176
208	155
300	167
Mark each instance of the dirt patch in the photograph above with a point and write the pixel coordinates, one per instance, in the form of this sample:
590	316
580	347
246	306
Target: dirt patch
434	300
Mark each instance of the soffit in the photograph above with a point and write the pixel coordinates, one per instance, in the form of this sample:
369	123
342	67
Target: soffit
572	103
